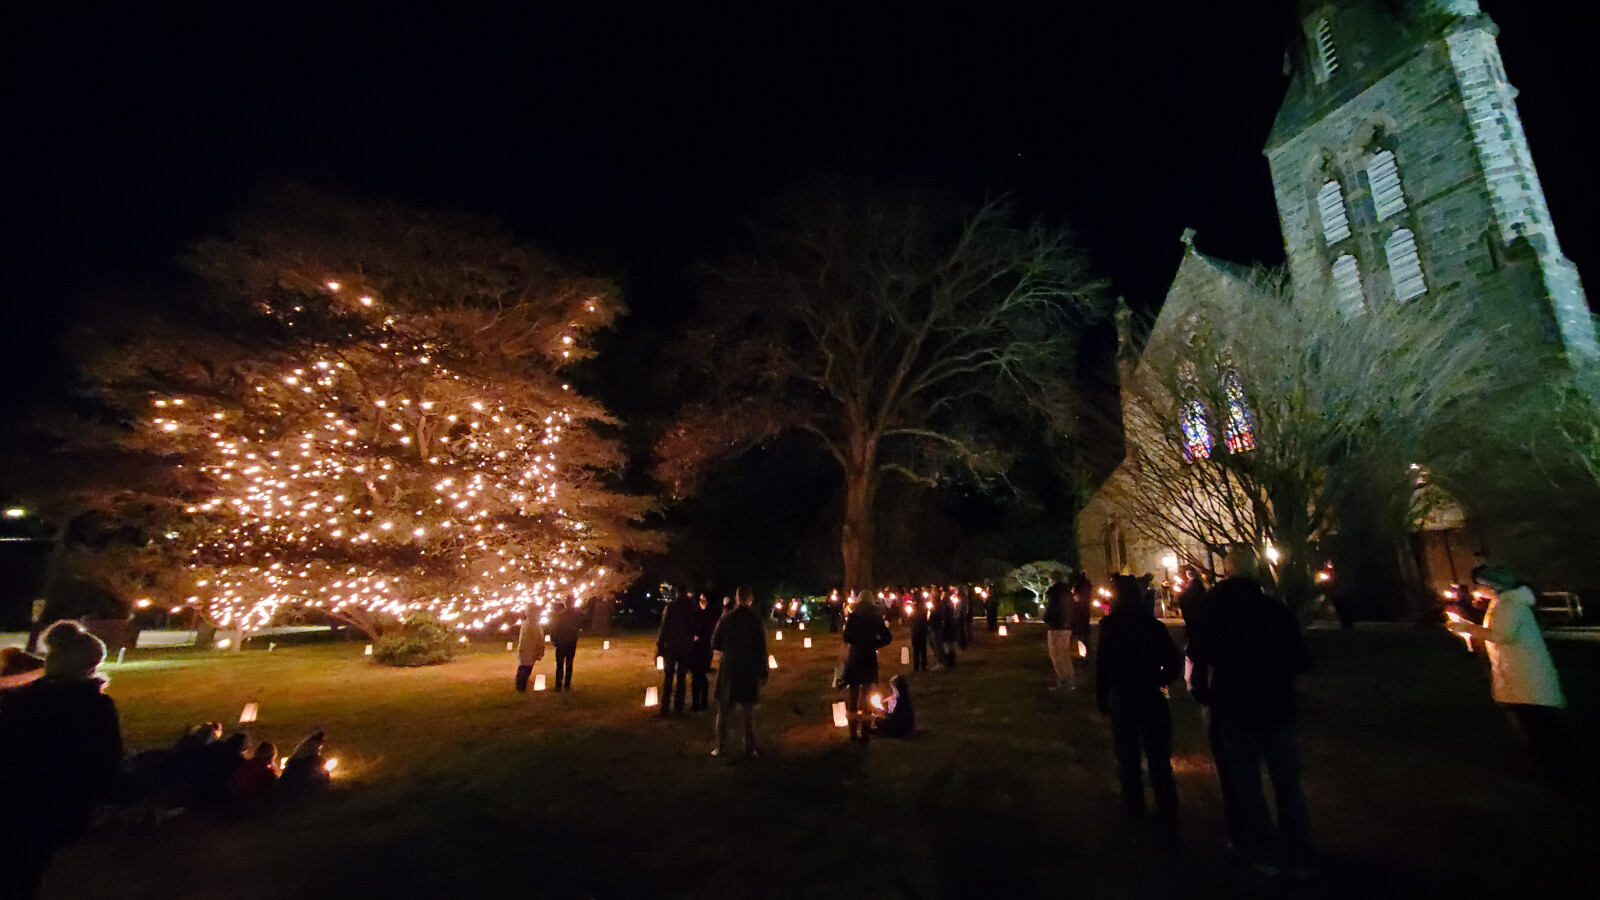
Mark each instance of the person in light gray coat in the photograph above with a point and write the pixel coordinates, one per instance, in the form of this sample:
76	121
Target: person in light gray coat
530	645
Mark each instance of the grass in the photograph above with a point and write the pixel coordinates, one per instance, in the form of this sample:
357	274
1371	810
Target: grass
452	785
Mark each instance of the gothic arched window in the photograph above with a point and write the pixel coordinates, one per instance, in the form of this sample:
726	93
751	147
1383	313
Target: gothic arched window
1241	430
1405	266
1335	221
1347	286
1383	176
1196	431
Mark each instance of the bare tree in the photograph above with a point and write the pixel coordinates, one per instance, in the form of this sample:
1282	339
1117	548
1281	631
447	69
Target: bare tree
902	335
1283	423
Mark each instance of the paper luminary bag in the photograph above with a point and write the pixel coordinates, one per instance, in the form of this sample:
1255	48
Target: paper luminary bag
538	682
841	717
808	643
650	697
778	635
905	656
248	714
1003	631
661	664
772	662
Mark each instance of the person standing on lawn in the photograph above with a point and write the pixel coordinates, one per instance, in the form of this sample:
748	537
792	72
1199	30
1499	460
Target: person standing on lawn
564	631
675	644
530	645
864	632
742	670
1134	662
1058	634
1522	677
948	629
60	752
1246	650
918	619
1079	619
706	616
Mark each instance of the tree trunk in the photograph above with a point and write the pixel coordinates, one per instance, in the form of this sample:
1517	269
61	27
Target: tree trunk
860	484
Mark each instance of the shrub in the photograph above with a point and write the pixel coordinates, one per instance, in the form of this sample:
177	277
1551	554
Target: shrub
1019	603
421	641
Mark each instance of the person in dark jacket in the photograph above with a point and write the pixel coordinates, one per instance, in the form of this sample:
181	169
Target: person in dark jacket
675	644
706	616
564	630
899	711
1194	587
864	632
256	775
1246	650
742	643
60	754
1134	662
306	768
991	611
918	618
947	628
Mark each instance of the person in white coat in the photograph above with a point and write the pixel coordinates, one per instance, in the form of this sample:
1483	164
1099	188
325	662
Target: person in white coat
530	645
1522	677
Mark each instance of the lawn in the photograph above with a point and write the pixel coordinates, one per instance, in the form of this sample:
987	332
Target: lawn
452	785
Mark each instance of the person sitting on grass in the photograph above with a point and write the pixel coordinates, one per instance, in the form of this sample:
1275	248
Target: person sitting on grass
306	767
60	757
256	775
899	711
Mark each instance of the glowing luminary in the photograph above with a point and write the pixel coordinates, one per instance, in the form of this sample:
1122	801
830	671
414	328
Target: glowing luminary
808	643
538	682
802	626
248	714
330	765
1083	649
650	697
905	656
778	635
661	664
841	718
876	700
510	645
547	639
271	647
368	651
772	662
1003	631
605	645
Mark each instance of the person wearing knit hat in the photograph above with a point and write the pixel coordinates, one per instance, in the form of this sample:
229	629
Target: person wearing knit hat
1522	677
60	753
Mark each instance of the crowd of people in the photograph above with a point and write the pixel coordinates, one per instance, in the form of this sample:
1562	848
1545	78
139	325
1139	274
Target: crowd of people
61	752
61	759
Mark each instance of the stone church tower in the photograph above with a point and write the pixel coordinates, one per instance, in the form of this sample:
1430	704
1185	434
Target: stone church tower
1402	173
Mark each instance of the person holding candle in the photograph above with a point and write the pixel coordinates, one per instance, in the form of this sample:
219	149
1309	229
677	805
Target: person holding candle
742	644
1134	663
864	632
60	753
1058	633
1522	677
919	632
899	711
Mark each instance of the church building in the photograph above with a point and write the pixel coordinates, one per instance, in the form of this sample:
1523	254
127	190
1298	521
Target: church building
1402	175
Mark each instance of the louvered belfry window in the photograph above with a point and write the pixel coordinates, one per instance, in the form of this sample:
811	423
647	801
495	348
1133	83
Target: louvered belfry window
1405	266
1347	286
1335	221
1327	53
1384	177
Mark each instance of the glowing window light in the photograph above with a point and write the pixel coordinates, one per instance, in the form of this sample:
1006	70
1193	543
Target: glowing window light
1241	421
1196	432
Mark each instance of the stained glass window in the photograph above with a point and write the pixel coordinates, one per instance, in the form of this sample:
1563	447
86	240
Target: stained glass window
1241	430
1196	432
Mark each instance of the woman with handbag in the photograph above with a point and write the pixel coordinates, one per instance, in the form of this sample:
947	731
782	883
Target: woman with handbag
864	632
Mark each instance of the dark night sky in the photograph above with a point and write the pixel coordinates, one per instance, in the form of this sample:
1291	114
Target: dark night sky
631	141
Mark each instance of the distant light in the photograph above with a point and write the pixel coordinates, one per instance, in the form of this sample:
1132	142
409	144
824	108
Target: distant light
366	301
333	285
16	512
1273	555
330	765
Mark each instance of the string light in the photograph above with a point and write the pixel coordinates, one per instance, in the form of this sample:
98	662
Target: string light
439	494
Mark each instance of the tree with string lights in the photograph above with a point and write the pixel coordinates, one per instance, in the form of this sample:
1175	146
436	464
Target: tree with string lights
369	418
